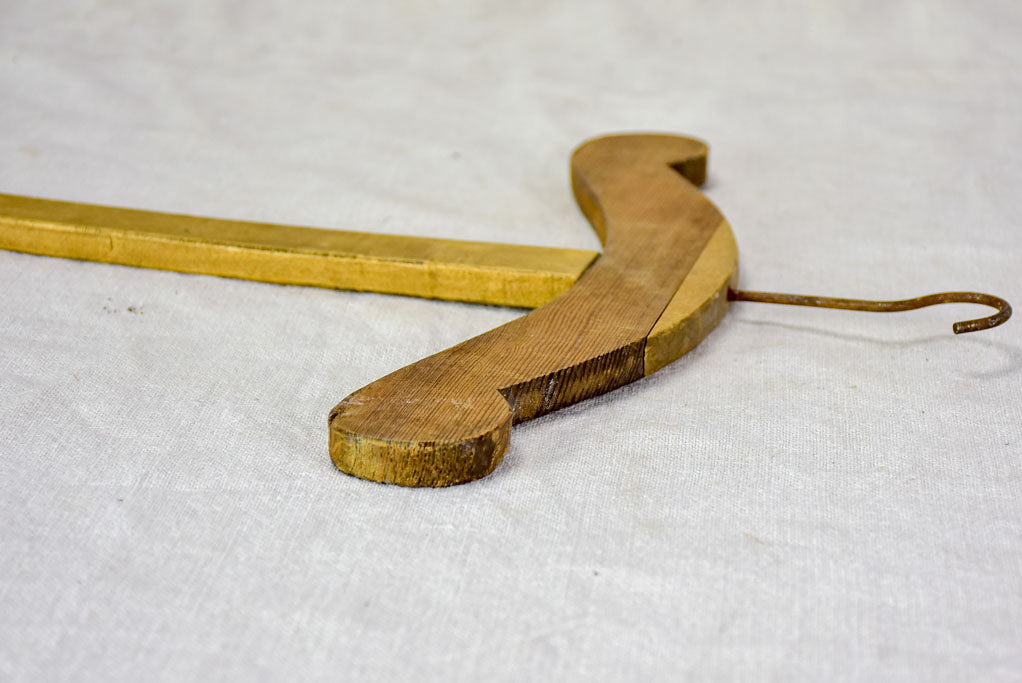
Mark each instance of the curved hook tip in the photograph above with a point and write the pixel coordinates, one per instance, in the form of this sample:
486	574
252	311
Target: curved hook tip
999	318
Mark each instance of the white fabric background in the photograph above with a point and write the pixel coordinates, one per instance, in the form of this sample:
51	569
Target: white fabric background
810	495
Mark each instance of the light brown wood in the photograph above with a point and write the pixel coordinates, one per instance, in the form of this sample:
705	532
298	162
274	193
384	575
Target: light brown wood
447	419
659	289
477	272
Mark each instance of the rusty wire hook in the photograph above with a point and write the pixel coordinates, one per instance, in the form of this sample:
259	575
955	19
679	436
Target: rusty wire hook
1002	306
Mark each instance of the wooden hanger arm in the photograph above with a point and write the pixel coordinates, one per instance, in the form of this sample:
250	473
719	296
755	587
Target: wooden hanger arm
476	272
447	419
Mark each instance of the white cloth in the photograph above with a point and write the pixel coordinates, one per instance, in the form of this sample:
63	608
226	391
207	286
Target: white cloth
808	495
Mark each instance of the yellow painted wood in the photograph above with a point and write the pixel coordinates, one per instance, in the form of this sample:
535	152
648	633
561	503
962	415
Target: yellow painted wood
698	305
479	272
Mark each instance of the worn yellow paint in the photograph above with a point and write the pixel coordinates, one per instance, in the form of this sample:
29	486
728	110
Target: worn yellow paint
698	305
479	272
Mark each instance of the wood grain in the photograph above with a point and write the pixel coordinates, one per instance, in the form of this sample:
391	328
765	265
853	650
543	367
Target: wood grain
660	288
447	419
477	272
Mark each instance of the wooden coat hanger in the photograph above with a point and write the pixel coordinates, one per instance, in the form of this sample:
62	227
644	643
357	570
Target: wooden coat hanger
663	282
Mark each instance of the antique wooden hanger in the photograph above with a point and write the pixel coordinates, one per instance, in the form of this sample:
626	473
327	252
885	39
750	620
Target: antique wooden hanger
663	282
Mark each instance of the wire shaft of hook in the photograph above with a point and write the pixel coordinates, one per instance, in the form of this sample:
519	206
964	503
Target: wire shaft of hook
1002	306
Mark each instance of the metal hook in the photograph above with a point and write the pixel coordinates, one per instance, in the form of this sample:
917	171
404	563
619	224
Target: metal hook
1002	306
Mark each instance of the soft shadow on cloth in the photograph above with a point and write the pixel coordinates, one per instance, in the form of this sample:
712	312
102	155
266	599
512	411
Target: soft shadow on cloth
1012	355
